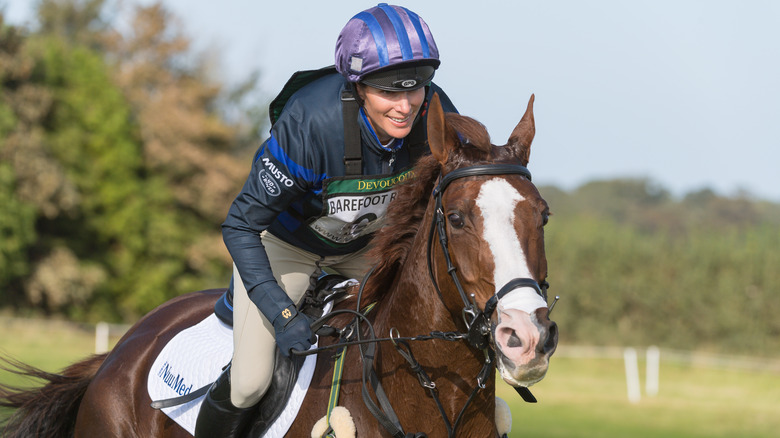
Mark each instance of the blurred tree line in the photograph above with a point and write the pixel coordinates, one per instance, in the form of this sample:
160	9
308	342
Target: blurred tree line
634	266
121	153
118	161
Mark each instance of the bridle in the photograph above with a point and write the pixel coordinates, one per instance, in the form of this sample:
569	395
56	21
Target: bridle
477	321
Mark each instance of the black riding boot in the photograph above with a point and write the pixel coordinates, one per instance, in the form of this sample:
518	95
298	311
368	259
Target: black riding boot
218	417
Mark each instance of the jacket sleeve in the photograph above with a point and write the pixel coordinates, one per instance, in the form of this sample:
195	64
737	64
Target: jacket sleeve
282	172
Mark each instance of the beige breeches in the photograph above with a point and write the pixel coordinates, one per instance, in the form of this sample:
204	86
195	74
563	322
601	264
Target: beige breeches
253	334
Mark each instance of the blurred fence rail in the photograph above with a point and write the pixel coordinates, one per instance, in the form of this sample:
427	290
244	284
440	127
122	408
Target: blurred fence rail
696	358
105	334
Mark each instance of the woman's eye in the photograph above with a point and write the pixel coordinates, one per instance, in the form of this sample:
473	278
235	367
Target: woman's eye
456	220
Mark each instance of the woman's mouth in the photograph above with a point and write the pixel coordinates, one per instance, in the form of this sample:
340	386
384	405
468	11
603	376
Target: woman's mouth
399	121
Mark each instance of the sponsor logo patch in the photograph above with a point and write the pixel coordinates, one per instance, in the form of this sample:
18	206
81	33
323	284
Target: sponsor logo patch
174	380
277	173
268	183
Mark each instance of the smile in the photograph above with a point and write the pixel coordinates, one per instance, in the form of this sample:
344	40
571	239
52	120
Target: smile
399	121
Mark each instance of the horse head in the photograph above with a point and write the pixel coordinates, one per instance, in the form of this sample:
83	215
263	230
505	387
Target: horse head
492	224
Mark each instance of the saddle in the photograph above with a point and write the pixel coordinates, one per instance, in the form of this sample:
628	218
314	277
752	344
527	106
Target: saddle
272	414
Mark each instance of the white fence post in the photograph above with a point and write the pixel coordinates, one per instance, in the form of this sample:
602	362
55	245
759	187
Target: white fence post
101	337
653	364
632	375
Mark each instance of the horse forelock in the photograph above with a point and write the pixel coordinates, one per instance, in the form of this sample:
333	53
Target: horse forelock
474	141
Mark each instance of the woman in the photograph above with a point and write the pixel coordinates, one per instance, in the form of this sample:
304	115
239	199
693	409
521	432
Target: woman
318	188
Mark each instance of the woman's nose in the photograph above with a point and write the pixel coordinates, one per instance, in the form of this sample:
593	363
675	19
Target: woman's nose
403	104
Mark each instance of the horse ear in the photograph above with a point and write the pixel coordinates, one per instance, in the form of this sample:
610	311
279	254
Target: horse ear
437	130
523	134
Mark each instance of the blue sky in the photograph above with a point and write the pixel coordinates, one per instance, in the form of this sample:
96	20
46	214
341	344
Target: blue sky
686	93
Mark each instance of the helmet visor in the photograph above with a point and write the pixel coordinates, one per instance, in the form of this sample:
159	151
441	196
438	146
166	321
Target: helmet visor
401	79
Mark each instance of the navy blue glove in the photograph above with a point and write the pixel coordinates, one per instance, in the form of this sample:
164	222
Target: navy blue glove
292	328
293	331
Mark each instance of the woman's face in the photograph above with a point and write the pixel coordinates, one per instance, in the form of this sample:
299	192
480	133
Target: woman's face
391	113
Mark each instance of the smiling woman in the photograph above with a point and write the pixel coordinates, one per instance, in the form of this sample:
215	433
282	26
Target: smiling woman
390	113
358	121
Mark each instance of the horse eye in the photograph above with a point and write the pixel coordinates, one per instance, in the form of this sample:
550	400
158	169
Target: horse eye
456	220
545	219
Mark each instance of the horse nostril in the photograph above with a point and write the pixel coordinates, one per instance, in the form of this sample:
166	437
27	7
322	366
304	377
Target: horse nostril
514	341
552	339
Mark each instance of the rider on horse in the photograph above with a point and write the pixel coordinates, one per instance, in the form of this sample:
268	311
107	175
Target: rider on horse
318	189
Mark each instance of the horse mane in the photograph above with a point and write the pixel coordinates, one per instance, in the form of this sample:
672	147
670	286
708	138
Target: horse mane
391	245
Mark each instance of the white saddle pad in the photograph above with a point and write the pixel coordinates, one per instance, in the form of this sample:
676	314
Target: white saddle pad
195	358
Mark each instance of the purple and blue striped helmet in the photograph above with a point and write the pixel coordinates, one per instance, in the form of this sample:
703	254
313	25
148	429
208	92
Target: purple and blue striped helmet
387	47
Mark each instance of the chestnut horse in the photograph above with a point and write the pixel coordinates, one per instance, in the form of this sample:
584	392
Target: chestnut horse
461	259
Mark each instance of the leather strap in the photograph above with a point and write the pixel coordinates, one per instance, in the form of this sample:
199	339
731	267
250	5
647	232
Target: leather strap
176	401
353	154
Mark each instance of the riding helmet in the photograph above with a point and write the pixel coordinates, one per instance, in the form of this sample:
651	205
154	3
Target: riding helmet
387	47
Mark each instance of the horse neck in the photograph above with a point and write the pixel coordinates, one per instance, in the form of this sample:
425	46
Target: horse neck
413	306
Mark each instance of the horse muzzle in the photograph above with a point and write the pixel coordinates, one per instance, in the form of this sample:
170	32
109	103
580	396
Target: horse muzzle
524	343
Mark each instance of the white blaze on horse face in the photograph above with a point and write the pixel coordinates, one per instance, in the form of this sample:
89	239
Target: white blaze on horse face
497	200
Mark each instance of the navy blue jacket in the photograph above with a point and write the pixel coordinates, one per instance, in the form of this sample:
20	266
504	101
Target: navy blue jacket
296	182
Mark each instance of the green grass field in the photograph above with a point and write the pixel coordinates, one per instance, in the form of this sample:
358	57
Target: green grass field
580	397
587	397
